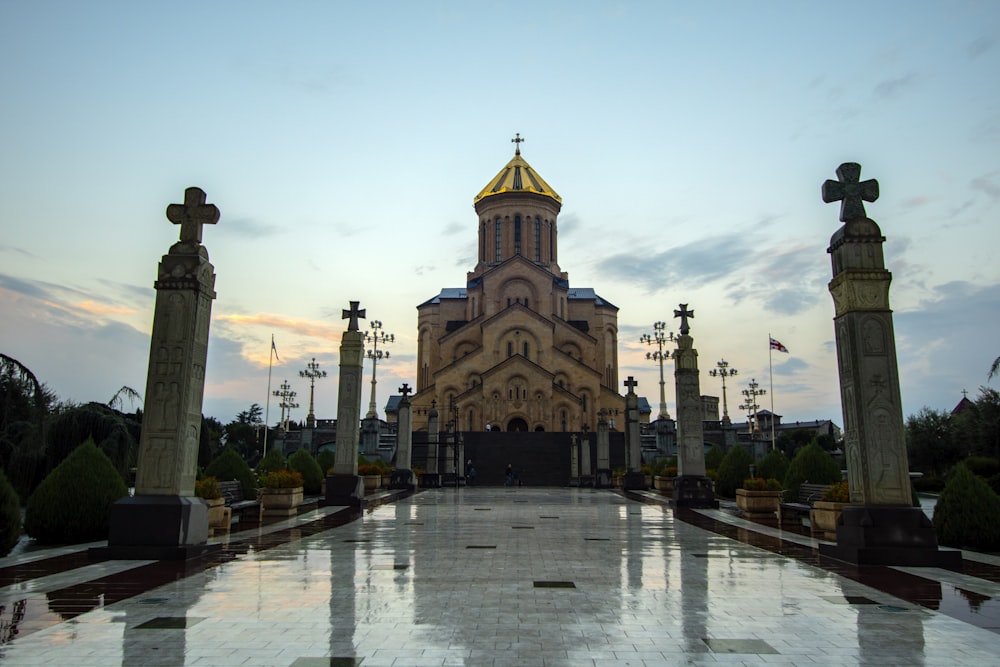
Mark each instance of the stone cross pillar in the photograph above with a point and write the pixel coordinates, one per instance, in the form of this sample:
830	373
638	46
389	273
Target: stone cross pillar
345	486
634	479
691	488
574	461
402	476
602	476
585	470
882	527
163	519
433	437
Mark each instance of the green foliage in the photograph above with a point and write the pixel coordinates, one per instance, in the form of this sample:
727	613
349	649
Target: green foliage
207	488
734	468
811	464
73	503
273	460
282	479
982	466
326	458
229	466
713	457
10	516
113	433
761	484
967	513
312	474
661	464
838	493
775	465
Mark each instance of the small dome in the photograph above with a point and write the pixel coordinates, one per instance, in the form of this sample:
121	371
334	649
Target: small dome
517	176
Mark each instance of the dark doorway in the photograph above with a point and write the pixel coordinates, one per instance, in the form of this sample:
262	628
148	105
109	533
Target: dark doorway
539	428
517	424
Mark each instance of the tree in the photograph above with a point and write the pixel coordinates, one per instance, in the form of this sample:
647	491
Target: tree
930	442
994	369
24	405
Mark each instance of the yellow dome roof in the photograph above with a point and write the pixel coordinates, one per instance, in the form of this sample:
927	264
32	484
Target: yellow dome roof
517	176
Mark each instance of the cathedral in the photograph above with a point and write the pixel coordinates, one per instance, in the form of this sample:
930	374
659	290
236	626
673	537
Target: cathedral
517	348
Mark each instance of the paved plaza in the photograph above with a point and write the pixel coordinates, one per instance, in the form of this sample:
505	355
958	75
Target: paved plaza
499	576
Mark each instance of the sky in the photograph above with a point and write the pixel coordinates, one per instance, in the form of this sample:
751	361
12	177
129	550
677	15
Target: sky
344	143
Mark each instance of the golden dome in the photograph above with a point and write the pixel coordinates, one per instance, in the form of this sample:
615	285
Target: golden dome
517	176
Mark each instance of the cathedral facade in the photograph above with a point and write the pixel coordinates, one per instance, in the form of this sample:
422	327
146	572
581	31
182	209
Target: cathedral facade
517	348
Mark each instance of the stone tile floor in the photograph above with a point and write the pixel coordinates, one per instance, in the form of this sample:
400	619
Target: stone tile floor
499	576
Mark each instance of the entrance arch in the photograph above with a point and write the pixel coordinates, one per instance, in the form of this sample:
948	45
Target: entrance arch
517	424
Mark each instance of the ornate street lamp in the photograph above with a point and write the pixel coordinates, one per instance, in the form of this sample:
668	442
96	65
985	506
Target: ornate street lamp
313	373
658	338
287	397
750	404
723	371
376	336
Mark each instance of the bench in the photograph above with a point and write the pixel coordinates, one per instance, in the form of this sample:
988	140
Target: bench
808	494
232	493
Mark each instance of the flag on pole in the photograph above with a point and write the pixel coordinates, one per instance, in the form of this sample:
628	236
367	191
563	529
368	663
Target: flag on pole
275	350
776	345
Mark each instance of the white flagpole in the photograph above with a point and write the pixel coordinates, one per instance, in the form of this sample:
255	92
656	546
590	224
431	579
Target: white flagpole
770	367
267	409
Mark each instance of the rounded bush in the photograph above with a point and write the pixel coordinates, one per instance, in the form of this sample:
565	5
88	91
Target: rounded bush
983	466
326	458
775	465
312	475
967	513
713	457
73	503
10	516
811	464
229	466
735	468
273	461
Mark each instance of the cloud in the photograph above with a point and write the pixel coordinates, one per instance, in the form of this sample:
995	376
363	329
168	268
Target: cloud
247	228
790	367
17	251
988	184
892	87
23	287
568	224
915	201
981	45
454	228
95	308
695	263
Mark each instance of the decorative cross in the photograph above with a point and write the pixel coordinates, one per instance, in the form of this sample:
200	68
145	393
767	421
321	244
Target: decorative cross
354	313
965	394
684	314
631	384
404	390
849	191
517	141
572	439
192	215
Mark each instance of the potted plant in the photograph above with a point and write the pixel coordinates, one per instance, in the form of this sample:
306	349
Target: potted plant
647	470
208	490
825	512
372	476
759	498
664	480
282	492
618	477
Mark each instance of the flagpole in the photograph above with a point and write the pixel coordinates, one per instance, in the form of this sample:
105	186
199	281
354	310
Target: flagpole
267	409
770	368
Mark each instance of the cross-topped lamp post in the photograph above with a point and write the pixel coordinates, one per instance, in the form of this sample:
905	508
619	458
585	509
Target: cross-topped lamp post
313	373
750	404
287	397
659	336
376	336
723	371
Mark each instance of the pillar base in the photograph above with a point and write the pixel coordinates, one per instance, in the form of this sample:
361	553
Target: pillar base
888	535
694	491
401	479
346	490
634	481
154	527
602	480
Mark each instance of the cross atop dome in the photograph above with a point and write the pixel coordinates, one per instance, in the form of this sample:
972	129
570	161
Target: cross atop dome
517	141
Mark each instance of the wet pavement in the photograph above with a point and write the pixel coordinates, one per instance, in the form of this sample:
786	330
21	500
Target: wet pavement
499	576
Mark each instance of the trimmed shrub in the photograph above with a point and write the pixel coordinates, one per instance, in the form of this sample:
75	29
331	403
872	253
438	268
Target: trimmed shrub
73	504
272	461
775	465
326	458
312	474
994	483
713	457
10	516
735	468
982	466
229	466
967	513
811	464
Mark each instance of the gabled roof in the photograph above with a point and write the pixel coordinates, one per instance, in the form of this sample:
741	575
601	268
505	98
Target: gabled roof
588	294
446	293
517	176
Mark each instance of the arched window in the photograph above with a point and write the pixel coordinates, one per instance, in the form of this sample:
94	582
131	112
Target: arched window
510	349
517	235
538	239
525	349
496	250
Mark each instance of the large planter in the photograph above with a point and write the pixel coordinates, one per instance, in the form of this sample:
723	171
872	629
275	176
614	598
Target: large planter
758	504
281	502
372	482
664	485
823	518
218	513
